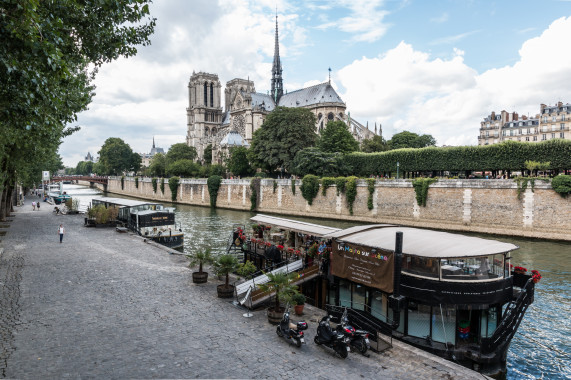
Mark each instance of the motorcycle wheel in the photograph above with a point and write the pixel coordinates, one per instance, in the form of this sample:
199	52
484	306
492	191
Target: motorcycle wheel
279	332
298	343
361	346
341	350
316	341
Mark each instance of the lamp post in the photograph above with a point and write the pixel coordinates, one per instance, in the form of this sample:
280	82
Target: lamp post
397	170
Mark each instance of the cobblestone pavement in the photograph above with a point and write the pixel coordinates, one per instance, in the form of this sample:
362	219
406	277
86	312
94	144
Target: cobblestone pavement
108	305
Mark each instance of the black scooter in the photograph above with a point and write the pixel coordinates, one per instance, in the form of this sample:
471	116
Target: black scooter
291	332
359	338
331	338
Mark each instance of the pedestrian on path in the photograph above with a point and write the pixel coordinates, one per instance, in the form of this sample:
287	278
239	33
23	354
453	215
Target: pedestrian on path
38	205
34	206
61	231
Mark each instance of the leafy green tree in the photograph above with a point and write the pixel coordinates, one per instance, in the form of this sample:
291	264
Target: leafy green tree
50	54
314	161
116	156
208	154
375	144
158	165
84	167
238	163
406	139
183	168
284	132
336	138
180	151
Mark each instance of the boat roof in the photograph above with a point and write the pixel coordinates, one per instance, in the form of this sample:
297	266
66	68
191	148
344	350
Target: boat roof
122	202
148	212
420	242
294	225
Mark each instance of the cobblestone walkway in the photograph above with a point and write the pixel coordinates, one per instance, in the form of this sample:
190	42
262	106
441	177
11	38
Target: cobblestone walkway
108	305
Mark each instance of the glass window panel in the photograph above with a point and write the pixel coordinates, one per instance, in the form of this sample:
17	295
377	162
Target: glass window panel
444	324
359	297
421	266
418	320
344	293
379	305
492	320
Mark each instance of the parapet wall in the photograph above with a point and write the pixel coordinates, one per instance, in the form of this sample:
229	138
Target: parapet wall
487	206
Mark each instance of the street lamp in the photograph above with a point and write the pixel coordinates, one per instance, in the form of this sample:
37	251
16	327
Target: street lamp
397	170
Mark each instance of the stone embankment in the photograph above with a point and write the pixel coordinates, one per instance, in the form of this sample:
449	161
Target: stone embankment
108	305
485	206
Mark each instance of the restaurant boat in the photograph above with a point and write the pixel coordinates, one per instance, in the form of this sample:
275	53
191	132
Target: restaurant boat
452	295
148	219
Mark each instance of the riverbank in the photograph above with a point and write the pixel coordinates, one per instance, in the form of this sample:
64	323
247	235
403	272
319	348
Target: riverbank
108	305
481	206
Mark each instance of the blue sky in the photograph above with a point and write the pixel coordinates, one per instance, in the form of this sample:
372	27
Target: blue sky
434	67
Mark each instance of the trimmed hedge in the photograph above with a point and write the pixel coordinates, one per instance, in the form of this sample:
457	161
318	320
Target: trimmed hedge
510	155
562	185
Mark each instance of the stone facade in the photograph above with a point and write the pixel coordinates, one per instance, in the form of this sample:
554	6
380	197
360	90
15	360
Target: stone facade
487	206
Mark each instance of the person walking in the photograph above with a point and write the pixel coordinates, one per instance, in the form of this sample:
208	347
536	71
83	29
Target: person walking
61	231
34	206
38	205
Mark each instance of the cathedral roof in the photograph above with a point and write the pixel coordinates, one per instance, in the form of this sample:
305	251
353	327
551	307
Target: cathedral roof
320	93
259	98
233	138
226	119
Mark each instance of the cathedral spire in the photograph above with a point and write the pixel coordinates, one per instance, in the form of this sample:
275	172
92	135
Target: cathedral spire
153	142
277	84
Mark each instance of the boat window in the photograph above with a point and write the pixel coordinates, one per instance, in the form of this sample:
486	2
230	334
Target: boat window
489	322
444	324
379	305
473	268
422	266
418	320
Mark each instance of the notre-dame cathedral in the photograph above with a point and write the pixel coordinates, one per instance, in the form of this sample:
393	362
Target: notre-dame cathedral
245	109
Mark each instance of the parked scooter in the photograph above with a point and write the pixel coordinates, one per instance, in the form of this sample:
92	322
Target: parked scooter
291	332
331	338
359	338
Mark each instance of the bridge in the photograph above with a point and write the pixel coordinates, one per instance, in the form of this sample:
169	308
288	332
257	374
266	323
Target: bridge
102	180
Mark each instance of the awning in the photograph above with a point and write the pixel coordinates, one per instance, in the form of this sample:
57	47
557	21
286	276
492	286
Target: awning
294	225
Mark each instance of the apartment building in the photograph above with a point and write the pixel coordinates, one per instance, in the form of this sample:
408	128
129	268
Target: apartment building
552	122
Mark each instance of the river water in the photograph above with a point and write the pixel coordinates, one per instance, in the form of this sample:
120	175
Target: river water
541	349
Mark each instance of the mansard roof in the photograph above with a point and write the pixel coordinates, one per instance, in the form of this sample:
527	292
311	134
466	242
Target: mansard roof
320	93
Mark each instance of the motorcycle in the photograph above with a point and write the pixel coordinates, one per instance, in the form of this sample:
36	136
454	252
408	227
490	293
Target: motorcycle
290	331
331	338
358	338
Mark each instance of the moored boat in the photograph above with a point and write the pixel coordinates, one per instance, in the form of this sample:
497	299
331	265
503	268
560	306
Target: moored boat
452	295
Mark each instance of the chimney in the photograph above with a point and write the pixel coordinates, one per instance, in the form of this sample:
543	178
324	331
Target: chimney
524	117
493	115
515	116
542	107
559	104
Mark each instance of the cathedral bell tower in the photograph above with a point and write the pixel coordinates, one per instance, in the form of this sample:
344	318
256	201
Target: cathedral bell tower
277	84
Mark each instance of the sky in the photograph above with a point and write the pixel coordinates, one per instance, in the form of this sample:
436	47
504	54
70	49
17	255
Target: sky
431	67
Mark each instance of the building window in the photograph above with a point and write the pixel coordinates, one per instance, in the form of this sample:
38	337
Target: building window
511	132
330	116
563	117
554	118
534	138
545	119
562	135
211	96
503	133
487	125
528	131
520	123
527	138
553	135
562	126
205	94
487	133
544	137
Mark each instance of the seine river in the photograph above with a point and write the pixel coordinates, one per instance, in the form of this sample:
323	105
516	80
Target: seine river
541	348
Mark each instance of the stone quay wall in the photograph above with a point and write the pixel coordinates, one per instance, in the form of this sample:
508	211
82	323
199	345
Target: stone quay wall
484	206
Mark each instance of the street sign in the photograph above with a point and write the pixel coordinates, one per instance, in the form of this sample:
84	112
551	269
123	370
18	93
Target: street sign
45	175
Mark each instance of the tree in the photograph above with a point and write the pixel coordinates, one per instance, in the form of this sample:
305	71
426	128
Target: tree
208	154
375	144
116	156
183	168
336	138
406	139
180	151
238	163
51	51
314	161
284	132
158	165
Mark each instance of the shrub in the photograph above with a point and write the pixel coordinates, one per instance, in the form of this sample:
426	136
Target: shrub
371	188
326	182
173	185
309	188
421	189
162	186
340	182
213	183
562	185
254	190
351	192
154	182
123	183
275	186
136	182
293	186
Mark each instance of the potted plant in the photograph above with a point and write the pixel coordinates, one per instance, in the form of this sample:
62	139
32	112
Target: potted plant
199	258
281	284
246	269
225	265
298	301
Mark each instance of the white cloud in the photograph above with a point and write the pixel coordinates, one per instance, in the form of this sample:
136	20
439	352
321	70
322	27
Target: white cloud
440	19
405	89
